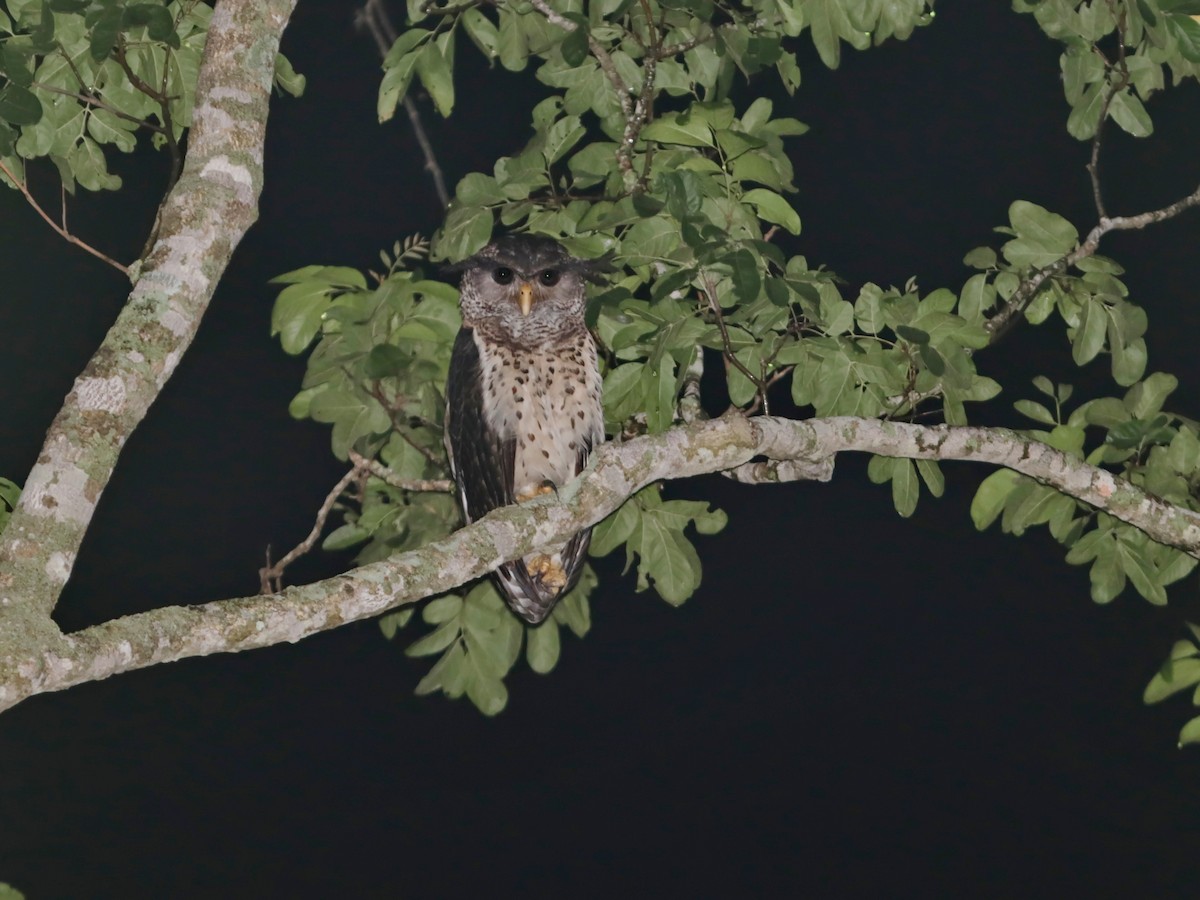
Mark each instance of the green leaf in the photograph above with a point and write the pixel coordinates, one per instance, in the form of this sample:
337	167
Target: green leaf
465	232
436	641
614	531
981	258
688	131
398	75
561	137
1186	32
1146	398
19	106
1088	340
297	315
392	622
1190	733
478	189
442	609
488	693
1175	675
345	536
666	557
447	674
1129	113
771	207
1085	115
574	47
480	29
905	488
915	335
287	79
991	496
160	25
542	647
434	70
1035	411
104	33
932	475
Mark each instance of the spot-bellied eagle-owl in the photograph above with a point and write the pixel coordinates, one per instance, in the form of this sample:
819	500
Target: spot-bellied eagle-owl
523	407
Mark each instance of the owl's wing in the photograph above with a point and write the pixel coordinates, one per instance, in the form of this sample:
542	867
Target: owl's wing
575	552
481	461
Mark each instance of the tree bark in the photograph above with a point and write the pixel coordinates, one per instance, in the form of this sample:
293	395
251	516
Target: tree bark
43	660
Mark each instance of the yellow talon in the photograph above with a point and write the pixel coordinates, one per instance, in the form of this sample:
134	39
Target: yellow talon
549	573
538	490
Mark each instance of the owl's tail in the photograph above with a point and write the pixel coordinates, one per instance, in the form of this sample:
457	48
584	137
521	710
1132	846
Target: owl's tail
531	586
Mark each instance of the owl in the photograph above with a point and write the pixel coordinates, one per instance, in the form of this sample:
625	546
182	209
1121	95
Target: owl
523	398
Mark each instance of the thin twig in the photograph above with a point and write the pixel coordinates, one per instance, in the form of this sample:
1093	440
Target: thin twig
610	71
164	105
386	475
93	100
730	359
60	229
690	406
271	576
999	324
1114	88
374	19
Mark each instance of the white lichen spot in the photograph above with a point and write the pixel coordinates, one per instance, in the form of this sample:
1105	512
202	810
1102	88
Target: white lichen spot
260	625
224	171
59	566
1105	484
101	394
4	601
57	667
58	487
181	266
230	93
125	652
175	322
170	361
208	116
135	356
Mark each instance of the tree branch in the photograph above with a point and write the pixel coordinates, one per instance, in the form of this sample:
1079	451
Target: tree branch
202	220
374	18
999	324
60	229
44	660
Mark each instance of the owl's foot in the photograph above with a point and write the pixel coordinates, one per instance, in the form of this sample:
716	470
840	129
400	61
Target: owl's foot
538	490
544	569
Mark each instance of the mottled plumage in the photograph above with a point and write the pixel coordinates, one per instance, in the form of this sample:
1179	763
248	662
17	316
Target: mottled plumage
523	408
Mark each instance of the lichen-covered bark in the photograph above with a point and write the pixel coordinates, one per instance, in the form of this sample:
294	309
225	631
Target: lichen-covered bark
202	221
47	661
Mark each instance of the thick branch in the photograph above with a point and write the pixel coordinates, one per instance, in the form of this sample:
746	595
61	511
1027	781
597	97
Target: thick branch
47	661
203	219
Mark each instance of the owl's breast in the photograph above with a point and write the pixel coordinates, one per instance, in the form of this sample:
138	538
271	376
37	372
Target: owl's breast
547	400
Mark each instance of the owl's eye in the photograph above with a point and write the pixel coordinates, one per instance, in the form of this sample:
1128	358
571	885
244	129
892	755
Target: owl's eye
502	275
549	277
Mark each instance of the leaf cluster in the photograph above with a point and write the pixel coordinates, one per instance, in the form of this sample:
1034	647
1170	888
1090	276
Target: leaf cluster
81	77
1154	449
1117	53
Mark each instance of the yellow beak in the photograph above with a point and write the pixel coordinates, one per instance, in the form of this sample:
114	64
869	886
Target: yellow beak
525	298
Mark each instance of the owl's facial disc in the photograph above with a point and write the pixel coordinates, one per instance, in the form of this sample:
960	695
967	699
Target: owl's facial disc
525	298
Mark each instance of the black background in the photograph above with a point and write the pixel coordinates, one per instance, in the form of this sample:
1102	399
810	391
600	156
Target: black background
851	705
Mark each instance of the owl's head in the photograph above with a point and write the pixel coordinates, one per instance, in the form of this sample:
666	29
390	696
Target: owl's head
528	288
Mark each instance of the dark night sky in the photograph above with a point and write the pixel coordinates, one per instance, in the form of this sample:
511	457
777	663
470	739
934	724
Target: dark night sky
852	705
